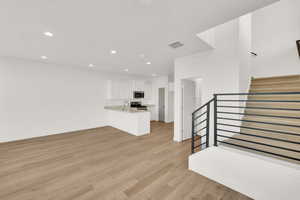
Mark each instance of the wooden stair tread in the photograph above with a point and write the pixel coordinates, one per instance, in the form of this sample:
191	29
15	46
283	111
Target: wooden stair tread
260	87
276	84
286	82
273	120
269	142
270	90
280	105
274	97
273	112
277	78
275	135
272	127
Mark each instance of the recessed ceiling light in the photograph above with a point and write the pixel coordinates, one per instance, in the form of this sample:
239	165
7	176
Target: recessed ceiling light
44	57
126	70
113	51
91	65
48	34
148	63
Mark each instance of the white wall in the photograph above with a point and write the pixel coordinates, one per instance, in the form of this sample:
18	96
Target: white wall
208	37
198	100
39	99
275	30
188	107
218	69
245	45
171	106
171	98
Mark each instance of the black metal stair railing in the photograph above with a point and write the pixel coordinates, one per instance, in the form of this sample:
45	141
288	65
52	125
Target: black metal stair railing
239	124
200	125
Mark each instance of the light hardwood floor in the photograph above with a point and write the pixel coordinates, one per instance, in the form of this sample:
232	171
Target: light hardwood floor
104	163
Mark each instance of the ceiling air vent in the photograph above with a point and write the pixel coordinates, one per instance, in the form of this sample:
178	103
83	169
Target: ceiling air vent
176	45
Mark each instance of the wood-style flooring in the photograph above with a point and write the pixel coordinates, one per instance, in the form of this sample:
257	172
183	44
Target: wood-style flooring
104	163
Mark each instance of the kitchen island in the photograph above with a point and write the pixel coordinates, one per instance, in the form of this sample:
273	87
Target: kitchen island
130	120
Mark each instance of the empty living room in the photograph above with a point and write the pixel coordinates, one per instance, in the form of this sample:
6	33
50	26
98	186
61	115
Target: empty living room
150	100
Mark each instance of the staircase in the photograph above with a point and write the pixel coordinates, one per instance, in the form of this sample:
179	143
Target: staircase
289	143
256	138
265	121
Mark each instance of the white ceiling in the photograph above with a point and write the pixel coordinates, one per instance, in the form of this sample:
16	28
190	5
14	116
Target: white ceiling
86	30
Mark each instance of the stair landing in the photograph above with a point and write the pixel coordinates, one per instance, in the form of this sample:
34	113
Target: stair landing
256	176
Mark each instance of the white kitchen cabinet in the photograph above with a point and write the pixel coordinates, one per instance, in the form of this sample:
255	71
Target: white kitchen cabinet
113	91
123	89
119	89
152	112
144	86
135	123
139	85
148	90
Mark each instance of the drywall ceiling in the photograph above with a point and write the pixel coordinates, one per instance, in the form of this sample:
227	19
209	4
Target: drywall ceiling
86	31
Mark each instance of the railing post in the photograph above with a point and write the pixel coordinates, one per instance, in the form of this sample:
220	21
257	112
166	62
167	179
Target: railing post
193	135
215	120
207	124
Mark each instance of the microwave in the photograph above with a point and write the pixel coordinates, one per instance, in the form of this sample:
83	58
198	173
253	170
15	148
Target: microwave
138	95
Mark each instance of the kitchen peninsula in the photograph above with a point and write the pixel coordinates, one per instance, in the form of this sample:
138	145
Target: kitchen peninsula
128	119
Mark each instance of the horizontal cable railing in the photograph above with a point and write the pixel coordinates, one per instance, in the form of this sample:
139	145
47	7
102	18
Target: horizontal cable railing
259	122
262	108
259	115
200	127
270	126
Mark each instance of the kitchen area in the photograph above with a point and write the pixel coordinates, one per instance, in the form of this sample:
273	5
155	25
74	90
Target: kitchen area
131	105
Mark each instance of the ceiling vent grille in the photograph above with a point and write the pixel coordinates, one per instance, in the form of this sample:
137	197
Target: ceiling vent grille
175	45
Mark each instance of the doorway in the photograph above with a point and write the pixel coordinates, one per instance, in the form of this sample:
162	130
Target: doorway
191	99
161	104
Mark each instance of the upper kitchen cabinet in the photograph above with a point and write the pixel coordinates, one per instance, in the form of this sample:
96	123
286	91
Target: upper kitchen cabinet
143	86
119	89
123	89
112	90
148	90
138	85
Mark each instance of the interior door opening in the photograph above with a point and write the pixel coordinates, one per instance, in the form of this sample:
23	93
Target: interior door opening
191	99
161	104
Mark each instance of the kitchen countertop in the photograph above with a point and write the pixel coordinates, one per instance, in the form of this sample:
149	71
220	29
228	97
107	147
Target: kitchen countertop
126	109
